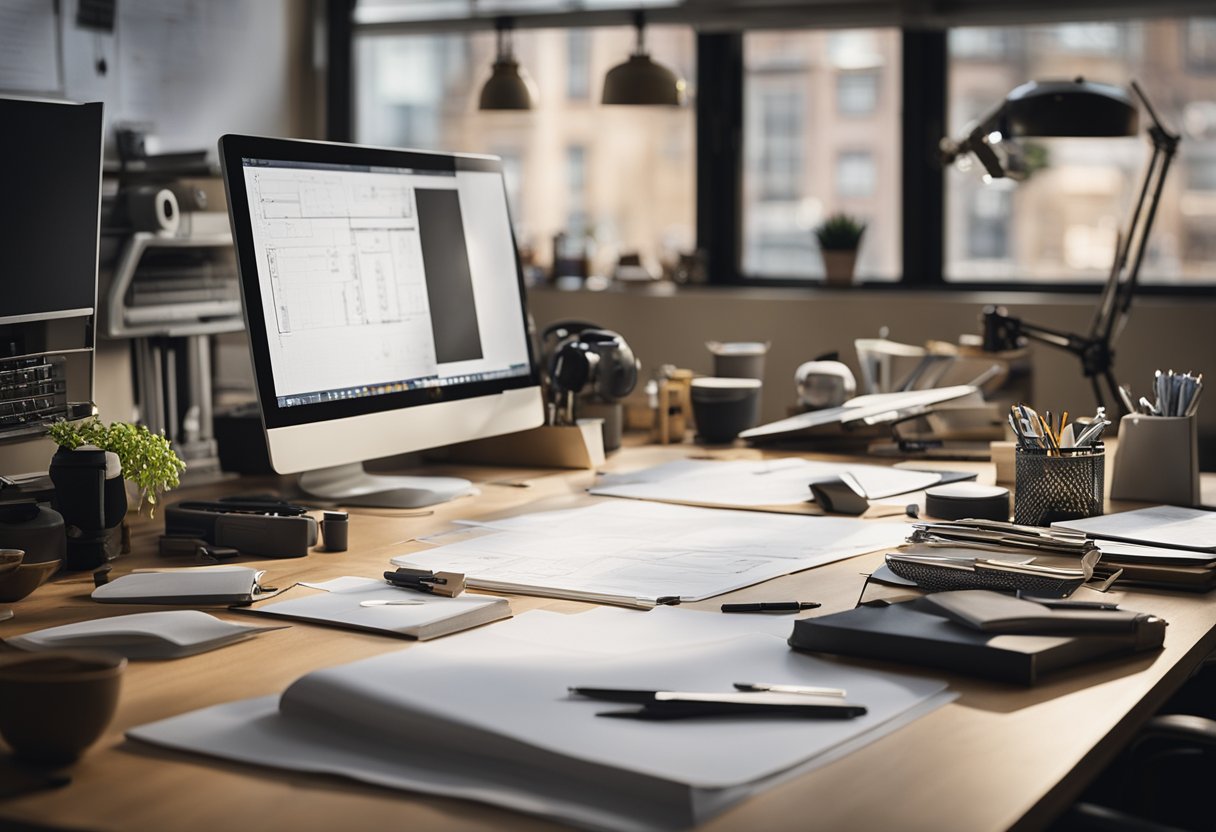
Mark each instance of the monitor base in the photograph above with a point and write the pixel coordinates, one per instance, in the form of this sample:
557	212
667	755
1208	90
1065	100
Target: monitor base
350	485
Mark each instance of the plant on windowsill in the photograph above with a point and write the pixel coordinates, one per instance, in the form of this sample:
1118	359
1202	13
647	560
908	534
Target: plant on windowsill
839	237
148	461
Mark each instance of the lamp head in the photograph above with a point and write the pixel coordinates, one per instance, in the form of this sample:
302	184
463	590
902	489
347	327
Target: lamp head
640	80
508	87
1068	108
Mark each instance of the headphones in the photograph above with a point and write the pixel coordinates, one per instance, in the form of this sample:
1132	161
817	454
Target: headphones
582	357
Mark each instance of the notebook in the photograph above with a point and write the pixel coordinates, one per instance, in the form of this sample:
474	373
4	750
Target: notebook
197	586
1172	527
170	634
342	605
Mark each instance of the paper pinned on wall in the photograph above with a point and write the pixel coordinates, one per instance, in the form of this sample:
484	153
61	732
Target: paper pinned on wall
29	46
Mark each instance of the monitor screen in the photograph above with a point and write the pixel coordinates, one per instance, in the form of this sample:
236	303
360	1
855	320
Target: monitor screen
375	280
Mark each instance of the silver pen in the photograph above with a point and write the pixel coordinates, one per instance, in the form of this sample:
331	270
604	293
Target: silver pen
805	690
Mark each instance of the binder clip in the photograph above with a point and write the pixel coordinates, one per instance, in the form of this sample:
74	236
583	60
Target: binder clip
450	584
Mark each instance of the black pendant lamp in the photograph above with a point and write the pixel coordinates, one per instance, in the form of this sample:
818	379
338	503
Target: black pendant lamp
641	81
508	87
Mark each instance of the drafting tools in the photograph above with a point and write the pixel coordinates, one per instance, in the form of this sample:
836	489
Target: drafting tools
450	584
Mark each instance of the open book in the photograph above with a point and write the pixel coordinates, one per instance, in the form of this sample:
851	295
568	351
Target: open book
486	716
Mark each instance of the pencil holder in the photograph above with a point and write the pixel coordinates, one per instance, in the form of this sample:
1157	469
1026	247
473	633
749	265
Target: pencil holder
1064	487
1157	460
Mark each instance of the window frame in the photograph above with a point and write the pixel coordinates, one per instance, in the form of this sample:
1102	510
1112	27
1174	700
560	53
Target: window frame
719	132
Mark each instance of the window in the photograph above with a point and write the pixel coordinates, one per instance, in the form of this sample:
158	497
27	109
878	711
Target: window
855	175
1064	220
856	93
578	65
817	136
624	175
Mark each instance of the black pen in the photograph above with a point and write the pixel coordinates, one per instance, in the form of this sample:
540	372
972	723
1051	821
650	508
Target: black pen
772	606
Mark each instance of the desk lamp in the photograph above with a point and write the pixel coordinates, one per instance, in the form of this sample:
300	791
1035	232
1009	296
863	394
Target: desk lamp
1073	108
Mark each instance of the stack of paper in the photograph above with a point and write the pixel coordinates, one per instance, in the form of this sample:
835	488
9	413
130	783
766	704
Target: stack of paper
1167	546
486	716
642	554
345	603
755	483
148	635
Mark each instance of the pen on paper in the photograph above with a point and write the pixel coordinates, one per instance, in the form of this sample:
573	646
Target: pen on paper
772	606
805	690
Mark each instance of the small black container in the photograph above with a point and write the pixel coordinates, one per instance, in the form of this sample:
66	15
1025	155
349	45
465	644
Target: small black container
92	498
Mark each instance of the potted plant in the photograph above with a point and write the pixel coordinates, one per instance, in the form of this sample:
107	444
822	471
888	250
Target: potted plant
839	236
147	460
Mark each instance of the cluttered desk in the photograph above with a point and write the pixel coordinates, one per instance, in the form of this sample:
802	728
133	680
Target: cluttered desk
1020	754
674	636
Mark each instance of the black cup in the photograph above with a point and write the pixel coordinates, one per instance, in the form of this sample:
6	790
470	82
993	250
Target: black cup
722	407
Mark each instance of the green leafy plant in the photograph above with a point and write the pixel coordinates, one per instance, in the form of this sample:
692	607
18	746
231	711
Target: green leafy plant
147	458
839	232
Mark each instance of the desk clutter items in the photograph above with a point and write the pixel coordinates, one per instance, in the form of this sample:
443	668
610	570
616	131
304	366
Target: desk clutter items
379	607
824	383
1158	453
673	404
335	530
642	554
203	585
865	416
724	407
960	500
383	720
1060	466
91	496
34	528
771	484
54	705
168	634
263	528
1163	546
447	584
589	370
738	359
19	578
978	554
981	633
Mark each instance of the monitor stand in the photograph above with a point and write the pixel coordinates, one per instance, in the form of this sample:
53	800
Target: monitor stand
350	485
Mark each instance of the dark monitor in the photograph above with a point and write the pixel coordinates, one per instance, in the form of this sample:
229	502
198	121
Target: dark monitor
385	306
50	206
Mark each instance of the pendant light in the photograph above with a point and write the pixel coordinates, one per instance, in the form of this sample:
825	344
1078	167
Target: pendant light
640	80
508	87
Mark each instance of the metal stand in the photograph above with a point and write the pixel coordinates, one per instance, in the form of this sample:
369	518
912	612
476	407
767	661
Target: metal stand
1096	350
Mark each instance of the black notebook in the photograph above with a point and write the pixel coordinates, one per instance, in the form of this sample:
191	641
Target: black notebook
914	633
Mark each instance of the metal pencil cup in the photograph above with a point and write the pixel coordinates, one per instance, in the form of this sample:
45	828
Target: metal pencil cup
1064	487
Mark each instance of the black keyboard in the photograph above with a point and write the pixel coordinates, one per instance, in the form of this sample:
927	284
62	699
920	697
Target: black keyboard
32	391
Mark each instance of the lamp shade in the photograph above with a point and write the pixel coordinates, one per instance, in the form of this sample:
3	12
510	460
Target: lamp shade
1069	108
507	87
642	81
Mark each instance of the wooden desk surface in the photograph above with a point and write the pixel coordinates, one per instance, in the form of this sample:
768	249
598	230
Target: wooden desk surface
997	757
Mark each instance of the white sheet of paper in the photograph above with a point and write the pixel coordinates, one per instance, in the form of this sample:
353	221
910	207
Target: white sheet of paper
146	635
635	552
514	689
1168	526
751	483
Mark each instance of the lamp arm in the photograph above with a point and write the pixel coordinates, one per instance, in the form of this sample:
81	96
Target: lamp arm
976	144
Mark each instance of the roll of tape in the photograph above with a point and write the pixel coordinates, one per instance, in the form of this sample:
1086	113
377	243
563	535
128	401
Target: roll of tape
967	500
154	209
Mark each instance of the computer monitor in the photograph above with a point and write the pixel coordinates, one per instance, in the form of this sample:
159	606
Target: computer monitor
385	307
50	203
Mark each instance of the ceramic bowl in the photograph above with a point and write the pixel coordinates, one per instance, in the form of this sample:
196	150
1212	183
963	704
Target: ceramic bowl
55	704
23	580
10	559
